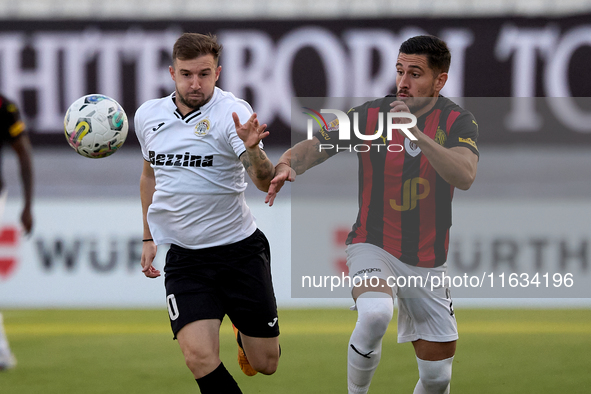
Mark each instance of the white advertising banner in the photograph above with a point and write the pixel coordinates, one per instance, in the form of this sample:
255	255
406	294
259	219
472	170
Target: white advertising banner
86	253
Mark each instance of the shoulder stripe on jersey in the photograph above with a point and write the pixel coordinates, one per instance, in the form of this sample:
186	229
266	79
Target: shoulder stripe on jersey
374	197
453	115
366	180
394	194
443	197
418	177
427	207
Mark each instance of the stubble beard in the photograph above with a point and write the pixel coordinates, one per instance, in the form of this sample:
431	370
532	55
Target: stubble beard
193	104
415	104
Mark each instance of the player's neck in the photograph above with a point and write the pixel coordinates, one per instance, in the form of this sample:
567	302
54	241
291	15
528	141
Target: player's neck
183	109
427	107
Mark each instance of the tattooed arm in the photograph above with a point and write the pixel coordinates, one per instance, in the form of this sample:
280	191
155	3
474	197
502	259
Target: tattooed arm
258	167
256	163
295	161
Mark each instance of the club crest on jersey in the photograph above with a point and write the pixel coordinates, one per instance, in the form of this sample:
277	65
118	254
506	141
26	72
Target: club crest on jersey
440	136
202	127
411	147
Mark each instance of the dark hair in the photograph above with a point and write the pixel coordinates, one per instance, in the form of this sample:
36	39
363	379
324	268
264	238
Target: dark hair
438	55
192	45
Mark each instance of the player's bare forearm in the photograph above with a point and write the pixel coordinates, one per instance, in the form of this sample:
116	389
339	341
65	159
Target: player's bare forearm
149	248
255	161
27	180
295	161
304	155
22	147
457	165
147	189
258	167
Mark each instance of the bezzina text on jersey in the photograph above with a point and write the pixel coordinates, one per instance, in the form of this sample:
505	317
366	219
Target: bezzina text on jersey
180	159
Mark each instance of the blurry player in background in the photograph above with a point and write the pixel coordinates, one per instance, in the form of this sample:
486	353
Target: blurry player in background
402	229
196	152
12	130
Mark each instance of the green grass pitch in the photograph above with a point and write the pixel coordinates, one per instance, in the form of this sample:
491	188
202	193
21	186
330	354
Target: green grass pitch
132	351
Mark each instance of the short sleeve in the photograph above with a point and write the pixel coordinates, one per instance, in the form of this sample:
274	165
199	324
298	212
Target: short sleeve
463	132
11	125
139	132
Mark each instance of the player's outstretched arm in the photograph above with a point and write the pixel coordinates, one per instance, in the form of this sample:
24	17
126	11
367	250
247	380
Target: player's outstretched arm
255	161
295	161
149	248
22	147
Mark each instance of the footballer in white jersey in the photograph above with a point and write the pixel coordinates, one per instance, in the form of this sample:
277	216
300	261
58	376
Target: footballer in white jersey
197	145
199	200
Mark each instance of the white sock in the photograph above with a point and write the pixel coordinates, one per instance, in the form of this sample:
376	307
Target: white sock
374	312
3	341
434	376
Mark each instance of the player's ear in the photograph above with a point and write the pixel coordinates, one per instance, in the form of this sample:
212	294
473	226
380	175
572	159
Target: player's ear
440	81
217	72
171	70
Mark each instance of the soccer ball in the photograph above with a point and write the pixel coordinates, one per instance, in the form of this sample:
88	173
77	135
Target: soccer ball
95	126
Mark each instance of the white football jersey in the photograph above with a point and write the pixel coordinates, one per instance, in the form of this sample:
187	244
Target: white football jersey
199	199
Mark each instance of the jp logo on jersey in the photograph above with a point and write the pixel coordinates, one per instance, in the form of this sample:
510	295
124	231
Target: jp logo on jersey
202	127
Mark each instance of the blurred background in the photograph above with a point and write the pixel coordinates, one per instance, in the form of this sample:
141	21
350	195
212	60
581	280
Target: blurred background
528	211
81	317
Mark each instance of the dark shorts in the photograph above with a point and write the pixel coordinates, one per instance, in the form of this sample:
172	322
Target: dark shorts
233	280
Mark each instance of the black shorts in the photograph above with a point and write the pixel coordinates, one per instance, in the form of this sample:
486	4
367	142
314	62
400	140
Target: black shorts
233	280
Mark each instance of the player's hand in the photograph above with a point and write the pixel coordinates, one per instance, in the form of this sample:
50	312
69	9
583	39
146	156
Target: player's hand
283	173
27	220
252	132
148	253
400	106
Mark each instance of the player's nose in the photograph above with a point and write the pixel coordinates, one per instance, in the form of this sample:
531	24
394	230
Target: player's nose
403	81
195	85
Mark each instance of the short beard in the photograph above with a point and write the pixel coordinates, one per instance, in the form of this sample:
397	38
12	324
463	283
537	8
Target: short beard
194	105
415	104
419	103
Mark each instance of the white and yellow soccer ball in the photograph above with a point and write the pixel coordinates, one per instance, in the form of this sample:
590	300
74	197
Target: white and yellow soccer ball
95	126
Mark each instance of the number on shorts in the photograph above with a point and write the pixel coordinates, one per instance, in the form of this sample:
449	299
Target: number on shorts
173	309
